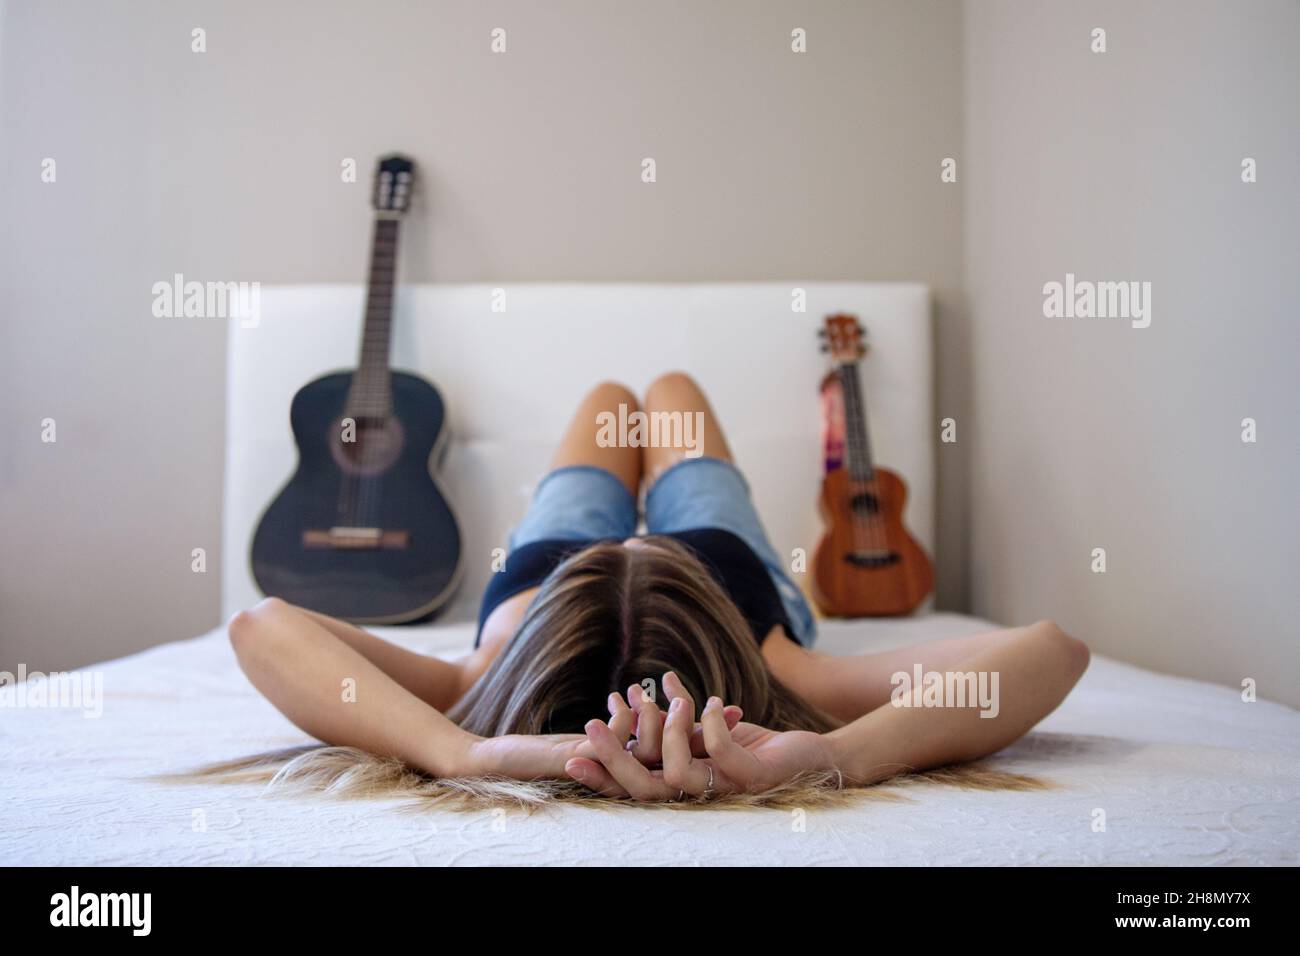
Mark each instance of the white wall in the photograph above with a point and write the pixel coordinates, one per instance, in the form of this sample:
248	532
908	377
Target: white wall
1091	433
225	166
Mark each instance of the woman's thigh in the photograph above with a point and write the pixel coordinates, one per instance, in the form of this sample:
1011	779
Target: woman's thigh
676	393
590	491
579	446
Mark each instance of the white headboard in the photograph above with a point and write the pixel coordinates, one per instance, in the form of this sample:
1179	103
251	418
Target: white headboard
511	380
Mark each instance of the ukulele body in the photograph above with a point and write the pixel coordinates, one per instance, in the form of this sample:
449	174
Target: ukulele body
311	546
867	564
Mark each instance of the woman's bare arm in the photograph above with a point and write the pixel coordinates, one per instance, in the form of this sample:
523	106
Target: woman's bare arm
437	682
335	693
329	688
848	687
1036	667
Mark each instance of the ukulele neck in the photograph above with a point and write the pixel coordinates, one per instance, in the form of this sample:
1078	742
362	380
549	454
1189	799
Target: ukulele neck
371	394
855	424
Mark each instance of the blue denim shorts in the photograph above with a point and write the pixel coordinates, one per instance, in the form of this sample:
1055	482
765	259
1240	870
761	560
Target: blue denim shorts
586	503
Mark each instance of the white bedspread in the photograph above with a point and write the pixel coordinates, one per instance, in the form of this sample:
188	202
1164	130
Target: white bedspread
1184	772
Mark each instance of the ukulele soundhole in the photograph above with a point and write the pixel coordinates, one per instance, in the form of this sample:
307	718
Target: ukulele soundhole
375	443
872	559
864	504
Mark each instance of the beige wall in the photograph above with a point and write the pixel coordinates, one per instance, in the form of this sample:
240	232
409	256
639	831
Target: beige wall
225	166
1073	434
1090	433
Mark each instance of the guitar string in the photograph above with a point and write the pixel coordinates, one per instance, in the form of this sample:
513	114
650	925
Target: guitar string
846	402
880	530
350	485
857	525
379	383
850	435
386	402
872	526
351	488
372	386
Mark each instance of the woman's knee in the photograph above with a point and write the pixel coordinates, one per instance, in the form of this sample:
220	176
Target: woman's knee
609	395
674	389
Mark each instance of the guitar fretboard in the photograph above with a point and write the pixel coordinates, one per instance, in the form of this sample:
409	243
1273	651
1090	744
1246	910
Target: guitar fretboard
371	395
855	424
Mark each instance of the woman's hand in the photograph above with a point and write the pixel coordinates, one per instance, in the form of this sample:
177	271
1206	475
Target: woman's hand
740	757
544	756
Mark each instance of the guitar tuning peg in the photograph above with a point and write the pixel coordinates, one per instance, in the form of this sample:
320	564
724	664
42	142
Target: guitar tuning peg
824	349
821	333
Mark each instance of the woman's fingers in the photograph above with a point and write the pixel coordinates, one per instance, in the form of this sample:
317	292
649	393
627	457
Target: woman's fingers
674	688
621	721
648	745
739	766
731	714
626	770
621	717
649	727
682	772
593	775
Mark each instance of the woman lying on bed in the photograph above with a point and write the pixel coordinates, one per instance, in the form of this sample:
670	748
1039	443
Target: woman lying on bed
591	632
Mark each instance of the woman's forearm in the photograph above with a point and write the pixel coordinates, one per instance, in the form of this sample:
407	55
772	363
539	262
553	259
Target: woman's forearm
437	682
1027	675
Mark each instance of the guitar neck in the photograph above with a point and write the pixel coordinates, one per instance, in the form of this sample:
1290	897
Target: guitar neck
371	394
855	423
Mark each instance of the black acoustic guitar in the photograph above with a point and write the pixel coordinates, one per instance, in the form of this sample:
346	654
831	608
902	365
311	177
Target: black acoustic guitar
362	530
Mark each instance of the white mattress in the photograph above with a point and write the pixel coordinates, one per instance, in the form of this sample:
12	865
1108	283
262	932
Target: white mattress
1185	772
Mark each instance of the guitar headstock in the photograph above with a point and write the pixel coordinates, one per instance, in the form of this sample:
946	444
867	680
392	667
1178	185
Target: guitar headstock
394	177
844	338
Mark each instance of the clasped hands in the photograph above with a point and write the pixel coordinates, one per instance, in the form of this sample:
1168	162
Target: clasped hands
647	754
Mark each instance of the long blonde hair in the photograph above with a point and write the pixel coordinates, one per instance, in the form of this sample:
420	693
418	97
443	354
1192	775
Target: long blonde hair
607	618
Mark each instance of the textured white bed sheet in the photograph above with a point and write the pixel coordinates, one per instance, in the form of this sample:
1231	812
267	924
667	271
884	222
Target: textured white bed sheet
1184	772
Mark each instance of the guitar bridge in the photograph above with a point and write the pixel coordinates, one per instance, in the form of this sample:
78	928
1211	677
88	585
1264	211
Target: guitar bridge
356	539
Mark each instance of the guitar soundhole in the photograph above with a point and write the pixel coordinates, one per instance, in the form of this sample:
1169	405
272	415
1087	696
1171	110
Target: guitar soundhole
864	504
375	444
872	559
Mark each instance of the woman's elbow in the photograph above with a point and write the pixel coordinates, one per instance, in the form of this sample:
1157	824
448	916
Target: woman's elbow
1073	652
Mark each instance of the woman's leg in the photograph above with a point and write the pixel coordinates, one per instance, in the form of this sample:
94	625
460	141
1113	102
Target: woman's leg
708	491
579	445
678	392
589	494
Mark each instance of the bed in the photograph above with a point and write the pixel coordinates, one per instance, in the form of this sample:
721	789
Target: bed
1185	773
1146	768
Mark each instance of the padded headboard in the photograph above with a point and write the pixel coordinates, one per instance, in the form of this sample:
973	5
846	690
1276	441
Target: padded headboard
512	379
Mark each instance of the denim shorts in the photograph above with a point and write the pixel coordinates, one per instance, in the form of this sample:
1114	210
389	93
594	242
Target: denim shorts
586	503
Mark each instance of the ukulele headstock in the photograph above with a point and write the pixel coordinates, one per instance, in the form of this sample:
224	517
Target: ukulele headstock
394	178
844	338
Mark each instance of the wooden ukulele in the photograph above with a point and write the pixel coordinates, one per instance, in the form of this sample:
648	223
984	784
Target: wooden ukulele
362	531
867	564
